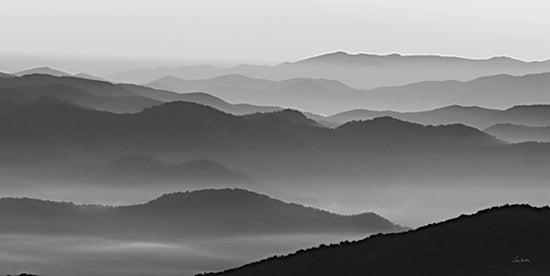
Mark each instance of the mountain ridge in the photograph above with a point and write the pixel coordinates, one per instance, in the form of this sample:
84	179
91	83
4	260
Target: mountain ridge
360	71
451	250
475	116
183	215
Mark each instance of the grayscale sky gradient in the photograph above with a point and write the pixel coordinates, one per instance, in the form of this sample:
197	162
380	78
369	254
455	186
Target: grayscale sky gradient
254	31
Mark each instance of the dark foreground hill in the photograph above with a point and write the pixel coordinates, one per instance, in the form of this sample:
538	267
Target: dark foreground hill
183	215
507	240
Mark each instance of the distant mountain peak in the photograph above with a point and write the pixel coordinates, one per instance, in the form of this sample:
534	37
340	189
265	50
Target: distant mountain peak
44	70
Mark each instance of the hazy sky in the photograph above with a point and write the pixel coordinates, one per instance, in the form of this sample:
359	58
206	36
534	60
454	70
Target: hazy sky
258	31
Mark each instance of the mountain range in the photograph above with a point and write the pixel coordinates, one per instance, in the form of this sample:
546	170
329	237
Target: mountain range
494	91
506	240
182	216
190	127
478	117
361	71
319	96
102	95
313	95
61	141
324	96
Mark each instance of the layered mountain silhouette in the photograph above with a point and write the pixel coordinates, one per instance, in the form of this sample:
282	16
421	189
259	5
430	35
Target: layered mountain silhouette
183	215
328	96
507	240
102	95
324	96
315	95
277	146
88	93
496	91
478	117
285	153
184	126
520	133
362	71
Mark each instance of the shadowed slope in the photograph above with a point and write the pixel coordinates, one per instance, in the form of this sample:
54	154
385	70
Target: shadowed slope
491	242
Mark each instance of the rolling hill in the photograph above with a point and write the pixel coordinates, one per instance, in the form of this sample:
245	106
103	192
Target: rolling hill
284	151
183	215
507	240
192	127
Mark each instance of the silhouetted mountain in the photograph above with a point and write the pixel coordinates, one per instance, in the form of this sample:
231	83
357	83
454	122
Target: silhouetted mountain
202	213
497	91
200	98
91	94
288	115
102	95
388	131
329	96
508	240
519	133
190	127
315	95
42	71
93	87
478	117
363	71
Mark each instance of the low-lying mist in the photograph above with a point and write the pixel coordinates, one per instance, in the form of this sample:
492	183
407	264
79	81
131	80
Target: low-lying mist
87	256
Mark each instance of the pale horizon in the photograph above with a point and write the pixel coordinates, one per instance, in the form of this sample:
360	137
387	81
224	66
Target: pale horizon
270	33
